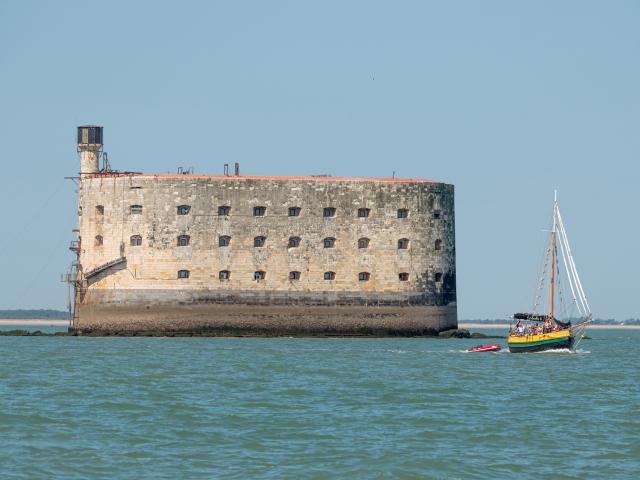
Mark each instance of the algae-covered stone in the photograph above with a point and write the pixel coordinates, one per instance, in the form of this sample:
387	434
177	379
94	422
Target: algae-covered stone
455	333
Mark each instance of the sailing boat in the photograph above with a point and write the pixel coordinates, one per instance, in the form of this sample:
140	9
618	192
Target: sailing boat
536	332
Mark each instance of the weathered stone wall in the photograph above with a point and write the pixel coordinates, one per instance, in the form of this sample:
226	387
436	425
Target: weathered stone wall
150	275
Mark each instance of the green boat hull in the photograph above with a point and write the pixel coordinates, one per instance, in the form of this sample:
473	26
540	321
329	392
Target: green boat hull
541	346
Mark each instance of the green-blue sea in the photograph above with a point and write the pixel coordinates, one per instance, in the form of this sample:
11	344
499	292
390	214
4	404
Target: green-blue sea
238	408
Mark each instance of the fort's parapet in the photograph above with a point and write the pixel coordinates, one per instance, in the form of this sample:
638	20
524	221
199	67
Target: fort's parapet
265	255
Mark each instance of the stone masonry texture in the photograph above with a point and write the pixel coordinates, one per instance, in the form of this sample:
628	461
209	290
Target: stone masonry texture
400	279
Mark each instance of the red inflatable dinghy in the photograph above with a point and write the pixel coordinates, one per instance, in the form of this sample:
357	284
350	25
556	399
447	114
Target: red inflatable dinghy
494	347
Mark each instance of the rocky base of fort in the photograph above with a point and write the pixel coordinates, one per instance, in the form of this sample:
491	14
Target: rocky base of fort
264	320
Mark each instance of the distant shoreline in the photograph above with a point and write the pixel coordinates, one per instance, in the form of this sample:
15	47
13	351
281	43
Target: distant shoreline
41	321
506	326
65	323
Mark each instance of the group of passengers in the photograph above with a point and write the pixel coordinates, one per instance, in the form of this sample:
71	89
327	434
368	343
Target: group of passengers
547	327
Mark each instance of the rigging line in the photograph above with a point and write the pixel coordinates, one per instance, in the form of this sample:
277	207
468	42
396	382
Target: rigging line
571	261
542	274
563	248
566	265
11	239
583	297
544	257
567	261
54	246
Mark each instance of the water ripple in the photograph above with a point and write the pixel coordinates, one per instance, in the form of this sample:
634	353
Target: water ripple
77	408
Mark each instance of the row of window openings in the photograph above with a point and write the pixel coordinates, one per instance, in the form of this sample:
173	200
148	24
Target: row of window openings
225	211
261	275
225	241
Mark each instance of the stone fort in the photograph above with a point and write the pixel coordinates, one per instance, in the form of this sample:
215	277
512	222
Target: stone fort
260	255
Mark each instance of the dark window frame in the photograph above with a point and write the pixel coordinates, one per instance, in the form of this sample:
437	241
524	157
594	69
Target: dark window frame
184	240
403	244
259	275
224	241
294	275
224	210
363	243
260	241
259	211
294	242
183	274
364	276
329	275
403	276
294	211
135	241
135	209
98	241
329	242
437	277
403	213
183	209
100	210
224	275
437	245
364	212
436	214
329	212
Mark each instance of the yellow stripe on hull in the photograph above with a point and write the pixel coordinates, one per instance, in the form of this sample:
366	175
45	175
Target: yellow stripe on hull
516	339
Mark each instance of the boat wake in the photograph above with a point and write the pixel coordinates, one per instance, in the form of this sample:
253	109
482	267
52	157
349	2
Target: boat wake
565	351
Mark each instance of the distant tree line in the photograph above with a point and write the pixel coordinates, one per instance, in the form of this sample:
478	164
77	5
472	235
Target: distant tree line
41	314
596	321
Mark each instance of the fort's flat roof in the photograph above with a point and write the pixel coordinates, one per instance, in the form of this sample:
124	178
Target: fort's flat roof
284	178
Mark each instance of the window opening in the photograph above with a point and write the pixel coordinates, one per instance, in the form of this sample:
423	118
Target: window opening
436	214
329	275
259	241
403	276
135	240
363	243
403	213
224	211
135	209
183	209
294	242
438	277
259	211
183	273
294	275
363	212
438	244
329	242
403	244
100	209
183	240
294	211
98	241
224	241
364	276
224	275
259	275
329	212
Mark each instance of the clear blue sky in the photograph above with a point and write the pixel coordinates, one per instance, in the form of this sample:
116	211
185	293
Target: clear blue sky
506	100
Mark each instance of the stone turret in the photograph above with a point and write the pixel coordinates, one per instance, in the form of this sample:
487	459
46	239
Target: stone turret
89	148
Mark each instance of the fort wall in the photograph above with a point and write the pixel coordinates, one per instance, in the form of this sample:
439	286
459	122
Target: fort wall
382	259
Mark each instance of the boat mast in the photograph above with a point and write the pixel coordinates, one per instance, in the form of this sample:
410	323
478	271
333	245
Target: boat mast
553	254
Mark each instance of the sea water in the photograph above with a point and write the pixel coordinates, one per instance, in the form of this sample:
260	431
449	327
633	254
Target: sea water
200	408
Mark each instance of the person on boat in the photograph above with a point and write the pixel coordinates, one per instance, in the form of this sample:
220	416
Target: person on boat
519	328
